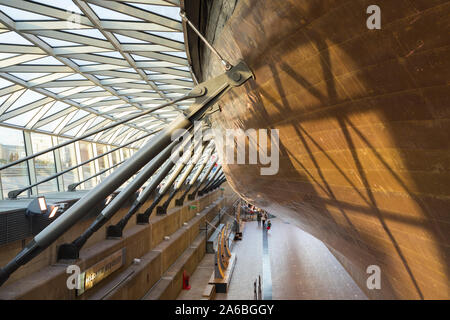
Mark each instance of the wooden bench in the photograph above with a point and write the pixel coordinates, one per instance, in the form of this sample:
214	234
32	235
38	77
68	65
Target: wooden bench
221	285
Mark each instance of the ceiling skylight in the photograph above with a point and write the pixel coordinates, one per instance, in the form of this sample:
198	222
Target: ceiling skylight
67	66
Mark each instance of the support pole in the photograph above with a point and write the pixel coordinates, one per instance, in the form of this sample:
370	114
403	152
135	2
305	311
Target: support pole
208	171
116	230
211	181
72	250
180	200
216	184
143	218
197	154
205	95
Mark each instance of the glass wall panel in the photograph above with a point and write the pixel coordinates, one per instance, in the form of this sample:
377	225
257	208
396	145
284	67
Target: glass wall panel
45	164
115	157
68	160
103	162
126	153
86	153
12	147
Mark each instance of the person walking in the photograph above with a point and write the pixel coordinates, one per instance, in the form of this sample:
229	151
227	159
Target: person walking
269	224
258	218
263	218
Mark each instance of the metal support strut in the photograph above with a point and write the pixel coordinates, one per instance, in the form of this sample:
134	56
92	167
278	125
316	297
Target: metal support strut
211	180
180	200
72	250
205	96
143	218
208	171
163	208
116	230
224	62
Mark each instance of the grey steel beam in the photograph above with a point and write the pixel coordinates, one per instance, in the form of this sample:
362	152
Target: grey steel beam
216	184
143	218
71	250
211	180
208	187
208	171
163	208
180	200
211	90
116	230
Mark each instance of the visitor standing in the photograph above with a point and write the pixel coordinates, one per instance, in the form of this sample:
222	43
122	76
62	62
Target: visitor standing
263	218
258	218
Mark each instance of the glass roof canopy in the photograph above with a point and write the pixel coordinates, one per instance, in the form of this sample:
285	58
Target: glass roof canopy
74	66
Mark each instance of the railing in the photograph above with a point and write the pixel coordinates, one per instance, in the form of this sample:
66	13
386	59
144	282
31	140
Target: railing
73	186
13	163
15	193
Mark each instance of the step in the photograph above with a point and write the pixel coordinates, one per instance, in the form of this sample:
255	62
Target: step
154	263
51	280
209	292
171	283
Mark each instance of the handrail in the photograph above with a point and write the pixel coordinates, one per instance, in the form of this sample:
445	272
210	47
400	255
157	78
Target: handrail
190	95
15	193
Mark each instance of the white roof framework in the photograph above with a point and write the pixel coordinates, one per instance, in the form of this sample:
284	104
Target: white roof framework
68	67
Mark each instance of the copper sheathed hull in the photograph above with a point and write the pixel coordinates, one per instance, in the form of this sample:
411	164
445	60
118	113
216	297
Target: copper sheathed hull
363	118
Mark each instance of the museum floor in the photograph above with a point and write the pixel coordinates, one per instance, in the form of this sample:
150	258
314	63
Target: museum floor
301	267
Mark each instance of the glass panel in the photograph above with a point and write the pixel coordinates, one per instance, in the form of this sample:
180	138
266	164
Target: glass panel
103	162
115	157
12	148
27	98
45	164
68	160
86	153
126	153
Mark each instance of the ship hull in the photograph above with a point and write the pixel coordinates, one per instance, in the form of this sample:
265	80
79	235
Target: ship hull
363	120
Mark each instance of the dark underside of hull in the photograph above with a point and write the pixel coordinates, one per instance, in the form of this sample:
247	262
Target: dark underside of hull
364	124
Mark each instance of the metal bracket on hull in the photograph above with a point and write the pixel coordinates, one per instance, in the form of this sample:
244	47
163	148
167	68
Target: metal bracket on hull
217	87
